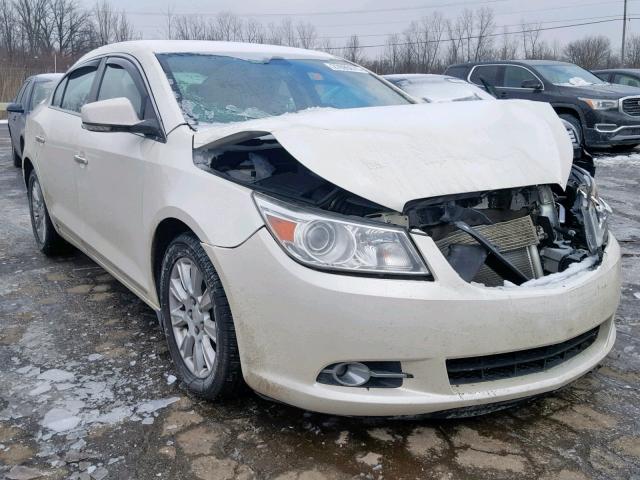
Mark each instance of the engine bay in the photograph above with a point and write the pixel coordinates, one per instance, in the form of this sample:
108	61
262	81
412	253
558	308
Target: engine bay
494	238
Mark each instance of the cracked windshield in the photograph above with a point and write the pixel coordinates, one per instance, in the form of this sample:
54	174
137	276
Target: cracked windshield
222	89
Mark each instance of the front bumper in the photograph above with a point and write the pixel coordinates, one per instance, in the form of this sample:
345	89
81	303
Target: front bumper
292	321
611	128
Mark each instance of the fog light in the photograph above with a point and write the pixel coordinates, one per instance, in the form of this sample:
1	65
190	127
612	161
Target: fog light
351	374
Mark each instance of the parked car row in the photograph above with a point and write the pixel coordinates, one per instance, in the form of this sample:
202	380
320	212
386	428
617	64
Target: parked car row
301	225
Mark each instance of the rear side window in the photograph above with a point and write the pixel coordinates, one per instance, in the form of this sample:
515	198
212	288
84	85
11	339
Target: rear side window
623	79
20	94
117	82
57	96
459	72
488	73
514	76
78	88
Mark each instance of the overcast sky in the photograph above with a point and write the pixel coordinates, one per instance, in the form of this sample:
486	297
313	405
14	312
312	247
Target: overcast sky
373	19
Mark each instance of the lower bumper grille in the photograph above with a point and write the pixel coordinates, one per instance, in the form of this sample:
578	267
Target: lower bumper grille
515	364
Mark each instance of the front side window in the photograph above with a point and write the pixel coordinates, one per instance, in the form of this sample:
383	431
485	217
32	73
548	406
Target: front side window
41	91
78	88
568	75
489	73
514	76
221	89
118	82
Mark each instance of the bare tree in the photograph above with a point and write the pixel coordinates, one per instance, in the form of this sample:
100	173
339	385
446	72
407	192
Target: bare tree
111	26
589	52
8	33
68	20
509	47
352	50
254	32
307	35
632	52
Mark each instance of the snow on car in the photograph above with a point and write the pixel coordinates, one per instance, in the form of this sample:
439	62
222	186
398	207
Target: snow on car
300	225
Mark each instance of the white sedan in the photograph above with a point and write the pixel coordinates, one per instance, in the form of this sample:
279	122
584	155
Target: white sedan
299	225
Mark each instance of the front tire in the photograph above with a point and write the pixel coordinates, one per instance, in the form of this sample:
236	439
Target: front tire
577	126
197	321
47	239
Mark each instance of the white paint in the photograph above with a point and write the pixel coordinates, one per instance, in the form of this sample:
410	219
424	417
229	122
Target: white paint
394	154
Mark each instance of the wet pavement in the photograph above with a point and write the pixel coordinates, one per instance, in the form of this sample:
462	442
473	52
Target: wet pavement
87	389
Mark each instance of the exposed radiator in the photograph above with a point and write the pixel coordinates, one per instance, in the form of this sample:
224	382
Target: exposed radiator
516	240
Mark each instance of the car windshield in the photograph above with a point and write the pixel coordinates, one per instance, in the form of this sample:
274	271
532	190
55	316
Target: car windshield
568	75
441	89
223	89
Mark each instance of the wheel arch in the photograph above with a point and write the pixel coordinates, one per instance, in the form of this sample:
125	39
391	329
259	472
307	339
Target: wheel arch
27	168
570	110
166	229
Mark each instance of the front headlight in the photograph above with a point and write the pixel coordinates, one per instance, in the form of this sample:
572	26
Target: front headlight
595	213
321	240
600	103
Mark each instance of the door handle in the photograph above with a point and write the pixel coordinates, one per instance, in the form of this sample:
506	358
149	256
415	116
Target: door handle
39	139
80	159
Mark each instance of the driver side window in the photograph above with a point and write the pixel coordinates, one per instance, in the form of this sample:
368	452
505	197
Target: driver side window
117	82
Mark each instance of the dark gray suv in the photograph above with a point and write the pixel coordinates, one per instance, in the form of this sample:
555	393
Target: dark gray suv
604	114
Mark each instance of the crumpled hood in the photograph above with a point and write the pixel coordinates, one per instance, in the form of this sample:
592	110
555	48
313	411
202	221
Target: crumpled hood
391	155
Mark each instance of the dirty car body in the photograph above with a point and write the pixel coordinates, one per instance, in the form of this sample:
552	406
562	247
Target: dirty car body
368	256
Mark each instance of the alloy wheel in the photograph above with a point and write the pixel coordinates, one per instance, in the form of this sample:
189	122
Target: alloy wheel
38	209
192	317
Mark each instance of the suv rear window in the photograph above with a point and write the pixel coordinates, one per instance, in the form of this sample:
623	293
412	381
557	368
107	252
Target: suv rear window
488	73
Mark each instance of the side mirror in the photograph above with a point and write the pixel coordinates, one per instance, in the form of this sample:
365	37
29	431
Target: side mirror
532	83
15	108
116	115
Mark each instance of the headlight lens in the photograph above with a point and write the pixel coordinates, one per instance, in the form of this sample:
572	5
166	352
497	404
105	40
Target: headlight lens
595	213
600	103
321	240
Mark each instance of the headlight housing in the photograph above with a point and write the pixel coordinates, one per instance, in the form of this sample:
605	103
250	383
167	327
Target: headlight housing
600	103
320	240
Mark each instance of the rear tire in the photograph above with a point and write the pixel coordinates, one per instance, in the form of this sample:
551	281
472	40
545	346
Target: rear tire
17	160
47	239
575	122
197	321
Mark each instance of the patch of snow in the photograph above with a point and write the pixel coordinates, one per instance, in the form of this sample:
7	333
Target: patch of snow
171	379
154	405
56	375
42	388
637	295
147	421
94	357
555	278
60	420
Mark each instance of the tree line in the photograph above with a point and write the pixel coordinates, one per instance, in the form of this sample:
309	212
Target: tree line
35	33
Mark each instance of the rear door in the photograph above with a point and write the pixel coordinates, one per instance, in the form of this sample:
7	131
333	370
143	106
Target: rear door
487	77
59	137
110	185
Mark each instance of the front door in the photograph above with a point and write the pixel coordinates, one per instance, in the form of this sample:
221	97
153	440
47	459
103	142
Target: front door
110	185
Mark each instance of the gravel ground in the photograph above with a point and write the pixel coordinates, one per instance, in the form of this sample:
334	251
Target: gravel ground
87	389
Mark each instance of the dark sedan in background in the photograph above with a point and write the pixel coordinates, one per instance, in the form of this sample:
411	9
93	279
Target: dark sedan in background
33	91
605	115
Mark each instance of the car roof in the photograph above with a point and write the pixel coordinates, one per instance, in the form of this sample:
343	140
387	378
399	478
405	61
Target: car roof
512	62
237	49
623	70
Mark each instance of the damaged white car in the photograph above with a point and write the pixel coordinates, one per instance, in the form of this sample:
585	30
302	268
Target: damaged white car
300	225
